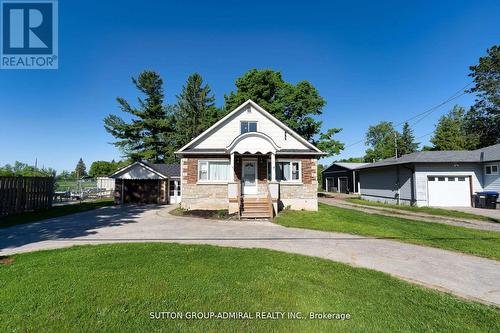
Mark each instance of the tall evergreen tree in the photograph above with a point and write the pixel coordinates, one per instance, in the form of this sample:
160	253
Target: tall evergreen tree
451	133
294	105
80	169
407	144
483	118
149	135
196	110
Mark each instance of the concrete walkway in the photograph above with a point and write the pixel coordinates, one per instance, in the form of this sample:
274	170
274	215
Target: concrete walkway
494	213
459	222
467	276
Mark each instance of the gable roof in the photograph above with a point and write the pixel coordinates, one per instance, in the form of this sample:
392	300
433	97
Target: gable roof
491	153
161	169
249	102
167	169
346	165
487	154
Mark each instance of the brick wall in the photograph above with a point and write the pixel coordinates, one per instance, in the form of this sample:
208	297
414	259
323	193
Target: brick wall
190	170
309	171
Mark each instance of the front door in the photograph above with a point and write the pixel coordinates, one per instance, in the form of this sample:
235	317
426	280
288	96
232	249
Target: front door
249	181
343	185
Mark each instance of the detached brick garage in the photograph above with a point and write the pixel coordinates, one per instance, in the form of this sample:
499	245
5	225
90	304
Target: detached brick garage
148	183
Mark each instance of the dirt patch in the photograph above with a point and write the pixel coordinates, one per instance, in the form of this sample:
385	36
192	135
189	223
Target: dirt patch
222	214
6	261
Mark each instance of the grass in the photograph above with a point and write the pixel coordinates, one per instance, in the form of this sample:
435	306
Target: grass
329	218
427	210
57	211
114	288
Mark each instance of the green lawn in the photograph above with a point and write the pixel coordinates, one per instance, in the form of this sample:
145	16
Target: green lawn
329	218
114	288
53	212
427	210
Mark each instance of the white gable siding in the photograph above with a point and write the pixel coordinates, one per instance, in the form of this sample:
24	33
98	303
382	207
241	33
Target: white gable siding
138	172
224	134
491	182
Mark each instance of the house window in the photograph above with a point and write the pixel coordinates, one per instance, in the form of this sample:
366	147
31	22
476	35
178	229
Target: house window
288	171
213	170
461	179
285	171
440	179
431	179
248	126
491	169
451	179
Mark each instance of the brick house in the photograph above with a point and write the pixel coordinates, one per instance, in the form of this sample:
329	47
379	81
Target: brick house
249	163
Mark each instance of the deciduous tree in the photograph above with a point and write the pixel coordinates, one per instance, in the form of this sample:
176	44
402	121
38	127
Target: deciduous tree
381	140
294	105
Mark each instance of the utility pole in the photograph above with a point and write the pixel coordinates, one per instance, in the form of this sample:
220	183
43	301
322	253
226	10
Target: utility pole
396	144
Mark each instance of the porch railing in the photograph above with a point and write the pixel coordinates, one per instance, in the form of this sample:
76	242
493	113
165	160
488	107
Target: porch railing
270	201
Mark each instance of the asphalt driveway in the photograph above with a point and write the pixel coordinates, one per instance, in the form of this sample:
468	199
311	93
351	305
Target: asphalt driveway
463	275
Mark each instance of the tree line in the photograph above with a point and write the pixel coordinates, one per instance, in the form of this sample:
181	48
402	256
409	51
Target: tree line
158	129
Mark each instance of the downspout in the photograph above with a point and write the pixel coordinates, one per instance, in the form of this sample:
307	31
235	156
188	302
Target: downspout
398	186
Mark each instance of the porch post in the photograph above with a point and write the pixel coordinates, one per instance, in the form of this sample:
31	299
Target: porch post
232	167
273	167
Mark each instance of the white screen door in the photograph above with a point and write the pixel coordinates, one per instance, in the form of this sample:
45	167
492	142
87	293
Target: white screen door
175	191
249	172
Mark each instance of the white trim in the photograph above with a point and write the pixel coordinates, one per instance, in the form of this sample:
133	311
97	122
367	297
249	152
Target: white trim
140	163
291	181
255	189
347	183
243	136
261	110
491	168
250	121
208	181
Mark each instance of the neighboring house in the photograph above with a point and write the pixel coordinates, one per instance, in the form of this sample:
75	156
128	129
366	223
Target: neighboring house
341	177
143	182
432	178
249	162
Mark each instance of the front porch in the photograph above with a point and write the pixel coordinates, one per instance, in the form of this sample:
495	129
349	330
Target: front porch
252	190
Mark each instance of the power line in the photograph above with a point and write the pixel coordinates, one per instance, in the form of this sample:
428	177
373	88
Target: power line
425	113
419	137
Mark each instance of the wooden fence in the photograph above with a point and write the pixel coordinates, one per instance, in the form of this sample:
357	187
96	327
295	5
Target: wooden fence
24	194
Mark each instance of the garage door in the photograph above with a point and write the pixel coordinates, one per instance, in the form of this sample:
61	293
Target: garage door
449	191
141	191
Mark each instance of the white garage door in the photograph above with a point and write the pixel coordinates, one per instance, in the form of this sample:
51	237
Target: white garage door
449	191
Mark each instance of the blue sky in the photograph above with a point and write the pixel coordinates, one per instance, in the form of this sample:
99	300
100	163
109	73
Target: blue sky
371	61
